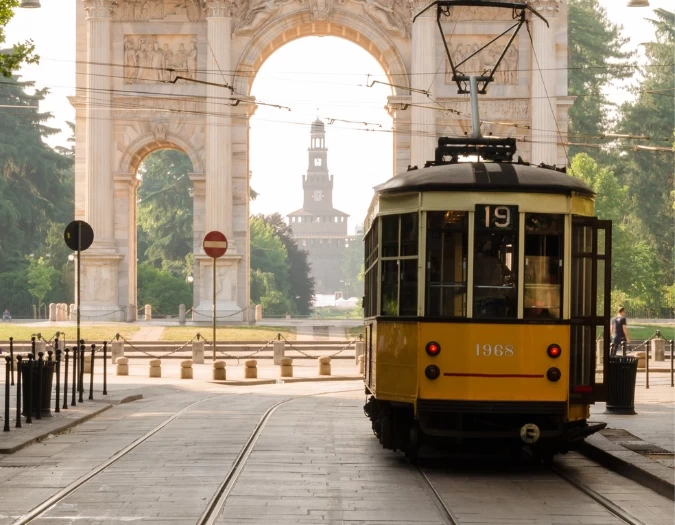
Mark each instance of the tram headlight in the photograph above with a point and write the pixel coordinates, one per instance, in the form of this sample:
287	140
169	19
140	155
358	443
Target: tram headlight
433	348
553	374
432	372
554	350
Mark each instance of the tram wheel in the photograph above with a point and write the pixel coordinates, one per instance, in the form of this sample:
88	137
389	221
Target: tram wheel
412	450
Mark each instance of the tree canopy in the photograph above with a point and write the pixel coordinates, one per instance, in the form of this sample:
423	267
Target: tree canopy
11	59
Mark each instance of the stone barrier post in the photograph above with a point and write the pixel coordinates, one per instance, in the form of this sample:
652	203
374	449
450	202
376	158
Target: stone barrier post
155	368
258	312
362	364
186	369
73	312
52	311
117	351
251	369
181	314
599	351
122	366
658	349
148	312
279	349
358	351
286	368
198	352
324	366
219	371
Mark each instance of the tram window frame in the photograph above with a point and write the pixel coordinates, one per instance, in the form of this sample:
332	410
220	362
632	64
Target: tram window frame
495	261
399	267
543	279
446	227
371	277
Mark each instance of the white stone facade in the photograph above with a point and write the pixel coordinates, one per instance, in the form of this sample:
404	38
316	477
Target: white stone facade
136	60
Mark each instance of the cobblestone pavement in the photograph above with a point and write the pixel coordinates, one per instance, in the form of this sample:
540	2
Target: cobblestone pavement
316	462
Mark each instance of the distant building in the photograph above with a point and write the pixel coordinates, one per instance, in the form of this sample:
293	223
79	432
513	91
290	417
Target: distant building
319	228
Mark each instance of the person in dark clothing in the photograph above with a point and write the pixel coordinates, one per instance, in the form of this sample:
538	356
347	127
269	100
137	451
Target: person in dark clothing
619	330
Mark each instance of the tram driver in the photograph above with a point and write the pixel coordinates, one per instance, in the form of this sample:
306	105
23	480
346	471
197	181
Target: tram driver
491	283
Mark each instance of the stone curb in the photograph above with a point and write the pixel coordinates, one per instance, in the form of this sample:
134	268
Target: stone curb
54	431
629	464
286	380
120	400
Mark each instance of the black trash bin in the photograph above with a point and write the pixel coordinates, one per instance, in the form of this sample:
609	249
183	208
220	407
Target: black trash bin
47	377
621	385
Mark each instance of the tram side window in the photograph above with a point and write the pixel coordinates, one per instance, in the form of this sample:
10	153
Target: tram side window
399	264
543	266
370	281
446	271
495	266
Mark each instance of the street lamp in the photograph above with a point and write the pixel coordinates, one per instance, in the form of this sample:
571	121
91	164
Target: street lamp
30	4
638	3
190	279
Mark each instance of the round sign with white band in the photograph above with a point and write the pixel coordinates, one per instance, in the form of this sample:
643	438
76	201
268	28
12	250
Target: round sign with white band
215	244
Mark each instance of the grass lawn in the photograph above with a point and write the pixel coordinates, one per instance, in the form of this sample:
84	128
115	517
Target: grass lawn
354	331
90	333
645	331
231	333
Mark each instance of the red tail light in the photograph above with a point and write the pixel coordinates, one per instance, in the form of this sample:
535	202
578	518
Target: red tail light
433	348
554	350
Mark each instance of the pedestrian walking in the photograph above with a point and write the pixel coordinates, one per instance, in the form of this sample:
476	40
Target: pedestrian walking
6	316
619	330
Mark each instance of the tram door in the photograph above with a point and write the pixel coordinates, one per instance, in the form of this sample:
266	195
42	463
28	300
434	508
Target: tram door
590	309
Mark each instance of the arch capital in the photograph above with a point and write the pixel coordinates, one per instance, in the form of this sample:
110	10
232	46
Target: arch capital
218	8
98	8
546	7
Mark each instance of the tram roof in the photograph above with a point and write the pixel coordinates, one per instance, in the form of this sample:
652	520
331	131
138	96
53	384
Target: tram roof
485	176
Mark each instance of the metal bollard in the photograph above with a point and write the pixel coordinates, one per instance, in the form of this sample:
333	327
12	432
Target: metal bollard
11	355
623	348
91	375
73	399
65	380
18	391
8	361
105	368
81	378
40	368
28	401
58	381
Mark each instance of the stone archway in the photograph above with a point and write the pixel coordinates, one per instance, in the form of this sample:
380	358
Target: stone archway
131	98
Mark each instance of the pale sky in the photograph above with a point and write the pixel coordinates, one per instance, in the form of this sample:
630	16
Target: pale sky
332	87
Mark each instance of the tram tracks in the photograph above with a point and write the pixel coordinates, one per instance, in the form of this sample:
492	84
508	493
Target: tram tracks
449	517
217	502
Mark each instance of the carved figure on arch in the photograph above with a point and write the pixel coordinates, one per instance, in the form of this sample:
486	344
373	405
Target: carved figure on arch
149	59
394	16
250	15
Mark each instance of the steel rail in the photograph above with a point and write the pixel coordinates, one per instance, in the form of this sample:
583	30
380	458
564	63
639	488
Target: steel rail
444	511
598	498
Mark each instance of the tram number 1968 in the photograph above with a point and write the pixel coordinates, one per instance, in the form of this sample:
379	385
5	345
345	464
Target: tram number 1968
496	350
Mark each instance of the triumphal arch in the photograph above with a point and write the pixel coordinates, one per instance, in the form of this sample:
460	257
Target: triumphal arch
157	74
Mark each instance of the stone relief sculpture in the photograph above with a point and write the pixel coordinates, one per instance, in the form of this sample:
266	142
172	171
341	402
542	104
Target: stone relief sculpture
491	109
394	16
250	15
463	47
156	59
145	10
321	9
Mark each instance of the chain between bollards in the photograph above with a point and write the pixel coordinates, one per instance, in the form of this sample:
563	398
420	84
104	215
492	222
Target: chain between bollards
8	361
105	368
18	391
91	373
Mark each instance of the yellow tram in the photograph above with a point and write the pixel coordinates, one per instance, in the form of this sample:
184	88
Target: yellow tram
486	286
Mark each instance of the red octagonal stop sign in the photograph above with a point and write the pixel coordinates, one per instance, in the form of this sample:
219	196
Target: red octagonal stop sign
215	244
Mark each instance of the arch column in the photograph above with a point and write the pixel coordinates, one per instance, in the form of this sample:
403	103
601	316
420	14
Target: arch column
544	101
218	179
423	139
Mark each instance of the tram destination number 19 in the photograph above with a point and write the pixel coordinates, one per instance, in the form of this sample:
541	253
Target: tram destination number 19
496	217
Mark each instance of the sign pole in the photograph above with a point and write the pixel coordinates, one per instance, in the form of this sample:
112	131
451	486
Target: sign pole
79	250
214	308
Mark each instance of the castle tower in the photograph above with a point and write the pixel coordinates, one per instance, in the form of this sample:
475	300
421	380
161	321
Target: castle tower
319	228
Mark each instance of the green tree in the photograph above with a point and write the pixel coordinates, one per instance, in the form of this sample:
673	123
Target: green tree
165	208
35	180
650	115
162	290
41	278
595	59
11	59
299	275
352	269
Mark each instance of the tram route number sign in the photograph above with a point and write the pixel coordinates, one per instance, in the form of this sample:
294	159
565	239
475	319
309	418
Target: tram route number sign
496	217
215	244
72	235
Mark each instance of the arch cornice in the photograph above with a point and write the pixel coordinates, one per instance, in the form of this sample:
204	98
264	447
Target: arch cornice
342	24
150	142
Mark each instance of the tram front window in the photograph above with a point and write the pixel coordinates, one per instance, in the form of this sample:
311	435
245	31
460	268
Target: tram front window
446	250
495	269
